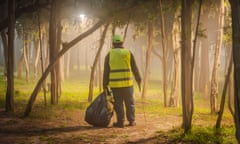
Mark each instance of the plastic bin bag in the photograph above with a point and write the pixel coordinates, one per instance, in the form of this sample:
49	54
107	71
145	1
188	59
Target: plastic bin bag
100	111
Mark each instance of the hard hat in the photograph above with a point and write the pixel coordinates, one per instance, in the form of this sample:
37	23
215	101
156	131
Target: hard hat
117	39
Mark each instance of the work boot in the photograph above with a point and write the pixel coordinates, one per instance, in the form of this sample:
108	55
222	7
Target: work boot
118	124
132	123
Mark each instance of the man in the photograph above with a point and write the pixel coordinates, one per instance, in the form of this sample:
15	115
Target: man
119	68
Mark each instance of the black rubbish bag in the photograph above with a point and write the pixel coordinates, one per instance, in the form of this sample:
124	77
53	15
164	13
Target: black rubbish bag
100	111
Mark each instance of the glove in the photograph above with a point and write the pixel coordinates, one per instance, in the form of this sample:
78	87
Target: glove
139	85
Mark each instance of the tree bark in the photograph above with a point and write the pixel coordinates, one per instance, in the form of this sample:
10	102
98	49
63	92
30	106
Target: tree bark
218	122
10	59
230	95
235	7
20	66
164	55
5	48
58	48
96	59
26	56
214	81
37	55
67	65
196	52
125	31
174	97
148	59
186	59
52	51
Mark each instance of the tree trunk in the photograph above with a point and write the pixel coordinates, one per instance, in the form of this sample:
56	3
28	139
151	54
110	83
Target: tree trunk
125	31
58	48
195	45
204	66
9	106
67	65
218	123
20	66
186	59
164	55
99	75
96	59
53	51
5	48
214	82
37	55
174	97
204	53
26	56
235	7
231	94
148	59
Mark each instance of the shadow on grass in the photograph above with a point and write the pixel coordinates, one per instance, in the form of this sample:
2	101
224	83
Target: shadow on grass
49	131
197	136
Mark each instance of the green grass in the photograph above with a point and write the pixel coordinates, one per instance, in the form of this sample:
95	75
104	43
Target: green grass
202	135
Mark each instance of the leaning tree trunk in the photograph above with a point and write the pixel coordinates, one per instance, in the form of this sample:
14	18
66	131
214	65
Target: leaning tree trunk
186	59
66	47
10	59
148	59
235	7
96	59
214	82
164	55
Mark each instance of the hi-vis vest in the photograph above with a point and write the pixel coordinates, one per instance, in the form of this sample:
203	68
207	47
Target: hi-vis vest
120	68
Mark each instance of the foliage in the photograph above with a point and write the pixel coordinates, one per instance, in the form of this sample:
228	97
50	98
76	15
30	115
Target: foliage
203	135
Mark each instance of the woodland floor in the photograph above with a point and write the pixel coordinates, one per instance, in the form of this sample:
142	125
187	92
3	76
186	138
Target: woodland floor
69	127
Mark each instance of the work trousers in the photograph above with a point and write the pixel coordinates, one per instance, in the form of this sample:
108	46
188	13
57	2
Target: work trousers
124	96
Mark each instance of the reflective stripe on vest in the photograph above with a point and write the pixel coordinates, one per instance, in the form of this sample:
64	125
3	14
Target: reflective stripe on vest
120	68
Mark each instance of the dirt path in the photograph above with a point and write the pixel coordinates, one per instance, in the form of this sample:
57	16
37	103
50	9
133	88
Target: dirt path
72	129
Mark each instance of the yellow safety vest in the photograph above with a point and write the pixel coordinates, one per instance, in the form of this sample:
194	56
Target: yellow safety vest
120	68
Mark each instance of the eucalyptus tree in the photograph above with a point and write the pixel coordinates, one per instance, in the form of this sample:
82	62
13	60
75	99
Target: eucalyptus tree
186	59
214	81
